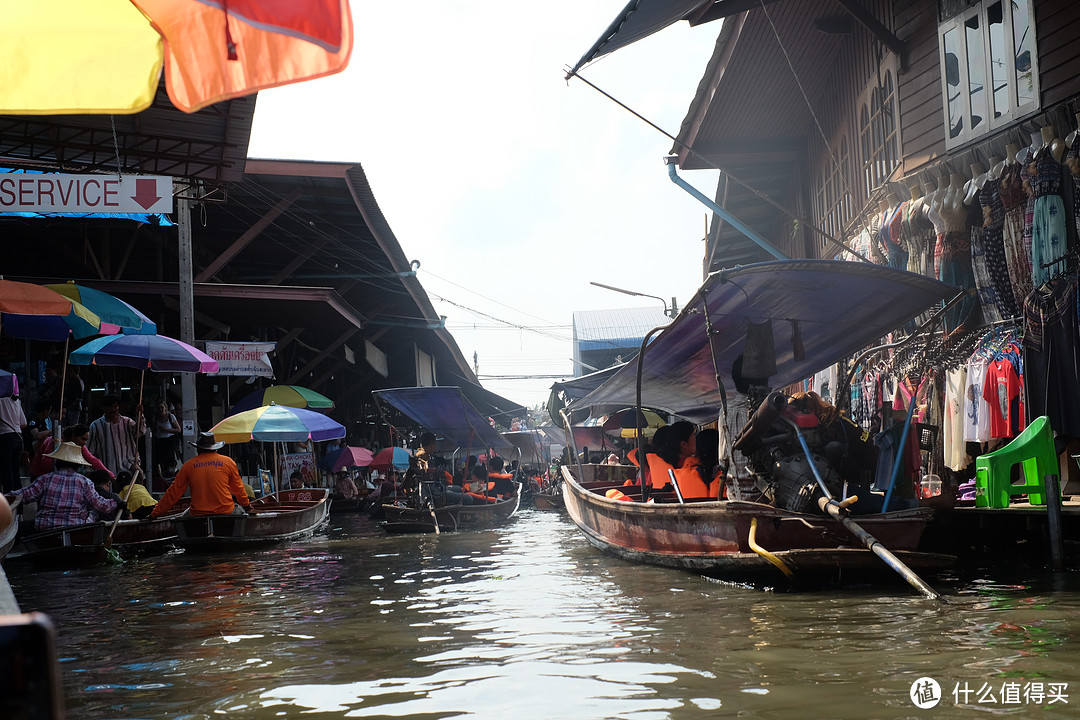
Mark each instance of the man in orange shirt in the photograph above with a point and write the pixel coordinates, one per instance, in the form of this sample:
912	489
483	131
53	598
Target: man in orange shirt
214	480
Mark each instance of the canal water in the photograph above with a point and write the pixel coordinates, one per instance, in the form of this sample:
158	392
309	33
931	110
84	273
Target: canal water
530	621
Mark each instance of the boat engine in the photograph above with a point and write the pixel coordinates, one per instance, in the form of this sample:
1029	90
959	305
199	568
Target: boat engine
782	472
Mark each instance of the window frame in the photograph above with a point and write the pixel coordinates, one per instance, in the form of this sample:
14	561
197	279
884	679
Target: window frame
1015	111
834	195
879	129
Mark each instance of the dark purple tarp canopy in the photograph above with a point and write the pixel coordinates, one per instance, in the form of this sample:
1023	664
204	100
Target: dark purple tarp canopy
637	20
534	446
840	307
444	411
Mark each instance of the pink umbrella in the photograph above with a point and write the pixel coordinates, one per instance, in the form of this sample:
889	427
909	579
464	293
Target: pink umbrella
352	457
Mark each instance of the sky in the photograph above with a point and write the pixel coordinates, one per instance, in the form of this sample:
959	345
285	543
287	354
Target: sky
513	188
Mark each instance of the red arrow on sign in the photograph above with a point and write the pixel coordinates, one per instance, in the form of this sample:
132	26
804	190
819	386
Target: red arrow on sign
146	192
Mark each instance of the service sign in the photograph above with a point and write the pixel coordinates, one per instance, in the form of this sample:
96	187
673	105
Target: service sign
48	193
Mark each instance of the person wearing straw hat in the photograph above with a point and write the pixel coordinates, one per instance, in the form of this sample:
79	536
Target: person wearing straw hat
65	496
214	479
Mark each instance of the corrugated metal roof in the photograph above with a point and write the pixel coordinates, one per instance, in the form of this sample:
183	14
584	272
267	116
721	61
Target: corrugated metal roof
600	325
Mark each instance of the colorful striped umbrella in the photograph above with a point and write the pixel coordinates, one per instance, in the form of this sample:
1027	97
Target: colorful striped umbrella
109	308
278	423
34	312
144	352
107	56
289	395
396	457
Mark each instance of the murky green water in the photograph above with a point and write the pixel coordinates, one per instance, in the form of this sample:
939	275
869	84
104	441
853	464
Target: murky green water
529	621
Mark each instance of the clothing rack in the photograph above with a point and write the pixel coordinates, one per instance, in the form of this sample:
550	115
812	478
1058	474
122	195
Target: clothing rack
1070	254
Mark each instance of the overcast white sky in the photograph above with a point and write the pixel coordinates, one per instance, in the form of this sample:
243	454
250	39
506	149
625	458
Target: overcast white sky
511	187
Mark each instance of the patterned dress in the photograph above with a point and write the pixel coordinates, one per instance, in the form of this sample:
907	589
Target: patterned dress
1013	200
994	248
1048	238
955	264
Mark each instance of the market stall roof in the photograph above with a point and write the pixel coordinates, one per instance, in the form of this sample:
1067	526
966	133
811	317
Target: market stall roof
535	445
209	145
445	411
832	308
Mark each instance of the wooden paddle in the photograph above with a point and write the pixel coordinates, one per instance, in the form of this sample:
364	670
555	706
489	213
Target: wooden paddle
838	511
120	510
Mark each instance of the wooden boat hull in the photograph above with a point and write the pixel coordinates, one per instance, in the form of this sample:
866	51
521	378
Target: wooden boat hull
401	519
548	501
712	538
284	515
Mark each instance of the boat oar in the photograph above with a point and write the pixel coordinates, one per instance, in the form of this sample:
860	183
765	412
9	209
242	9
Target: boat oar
113	555
838	511
431	508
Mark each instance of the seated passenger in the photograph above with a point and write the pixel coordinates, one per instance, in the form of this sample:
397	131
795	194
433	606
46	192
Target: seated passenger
708	465
65	497
499	481
479	487
140	503
344	487
103	484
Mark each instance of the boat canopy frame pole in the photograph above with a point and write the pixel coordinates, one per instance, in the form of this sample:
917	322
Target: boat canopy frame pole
573	444
639	418
728	217
838	511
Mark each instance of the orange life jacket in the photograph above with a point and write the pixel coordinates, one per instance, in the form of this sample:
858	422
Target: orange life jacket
658	471
616	494
691	485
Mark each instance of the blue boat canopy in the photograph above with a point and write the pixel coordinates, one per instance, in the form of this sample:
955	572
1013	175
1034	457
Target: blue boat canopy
444	411
828	309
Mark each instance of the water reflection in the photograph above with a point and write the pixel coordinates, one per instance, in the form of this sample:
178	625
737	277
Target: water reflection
523	621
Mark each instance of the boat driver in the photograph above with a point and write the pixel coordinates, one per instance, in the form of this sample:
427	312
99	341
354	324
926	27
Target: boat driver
216	488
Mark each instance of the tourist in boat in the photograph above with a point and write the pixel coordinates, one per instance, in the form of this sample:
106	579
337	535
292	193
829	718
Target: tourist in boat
296	481
216	488
103	484
479	487
78	434
139	500
113	437
708	465
676	454
500	482
426	452
344	487
64	496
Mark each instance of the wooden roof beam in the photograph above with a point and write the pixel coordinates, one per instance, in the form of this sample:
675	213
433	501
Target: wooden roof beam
877	29
335	345
252	232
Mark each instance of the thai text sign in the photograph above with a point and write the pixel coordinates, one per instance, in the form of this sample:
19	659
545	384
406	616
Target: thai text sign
242	358
50	193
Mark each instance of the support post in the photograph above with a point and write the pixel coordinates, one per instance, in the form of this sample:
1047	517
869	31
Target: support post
189	421
1053	521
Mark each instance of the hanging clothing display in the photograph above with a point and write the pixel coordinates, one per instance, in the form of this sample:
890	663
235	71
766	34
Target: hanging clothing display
976	408
997	266
1014	199
1048	230
1052	353
955	451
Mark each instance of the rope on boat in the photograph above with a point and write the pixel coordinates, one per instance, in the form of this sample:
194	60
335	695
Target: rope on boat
752	541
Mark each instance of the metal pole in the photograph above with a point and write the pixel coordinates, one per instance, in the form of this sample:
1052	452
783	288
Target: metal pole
1053	521
189	421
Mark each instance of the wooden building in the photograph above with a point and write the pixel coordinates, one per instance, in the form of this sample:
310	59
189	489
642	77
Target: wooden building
816	111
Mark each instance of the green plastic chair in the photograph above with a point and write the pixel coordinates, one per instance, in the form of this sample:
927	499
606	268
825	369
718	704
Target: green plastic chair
1033	450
